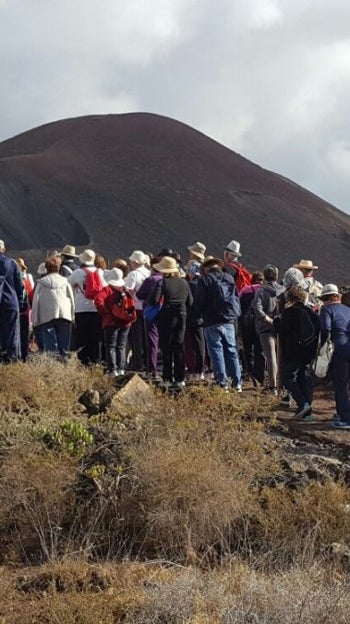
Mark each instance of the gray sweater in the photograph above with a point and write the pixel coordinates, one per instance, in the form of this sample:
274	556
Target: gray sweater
265	304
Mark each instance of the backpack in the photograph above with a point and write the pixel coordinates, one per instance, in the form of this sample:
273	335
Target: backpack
243	277
93	284
225	299
123	308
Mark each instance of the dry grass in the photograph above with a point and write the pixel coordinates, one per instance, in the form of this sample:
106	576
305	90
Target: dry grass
78	593
183	485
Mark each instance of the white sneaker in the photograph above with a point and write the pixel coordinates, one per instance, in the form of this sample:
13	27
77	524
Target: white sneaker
239	388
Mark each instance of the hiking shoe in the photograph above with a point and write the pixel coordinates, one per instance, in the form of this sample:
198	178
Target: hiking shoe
336	419
302	411
180	384
341	424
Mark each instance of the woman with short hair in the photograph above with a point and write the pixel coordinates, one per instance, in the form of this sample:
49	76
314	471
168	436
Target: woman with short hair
53	309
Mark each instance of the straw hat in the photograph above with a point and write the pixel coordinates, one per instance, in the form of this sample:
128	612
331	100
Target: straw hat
166	265
138	257
87	257
234	248
22	265
69	250
114	277
198	250
305	264
329	289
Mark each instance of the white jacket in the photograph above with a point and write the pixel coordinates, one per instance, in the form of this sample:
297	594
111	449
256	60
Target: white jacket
53	299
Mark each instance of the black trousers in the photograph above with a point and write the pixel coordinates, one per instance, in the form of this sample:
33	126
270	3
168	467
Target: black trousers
137	341
172	329
253	357
88	336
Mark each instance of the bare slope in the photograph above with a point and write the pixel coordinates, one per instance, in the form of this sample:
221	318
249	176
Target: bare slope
118	182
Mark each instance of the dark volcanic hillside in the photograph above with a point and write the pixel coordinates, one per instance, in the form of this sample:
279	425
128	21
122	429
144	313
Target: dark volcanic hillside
118	182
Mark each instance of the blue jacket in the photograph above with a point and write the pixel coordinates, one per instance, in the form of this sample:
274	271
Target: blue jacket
335	319
13	290
206	298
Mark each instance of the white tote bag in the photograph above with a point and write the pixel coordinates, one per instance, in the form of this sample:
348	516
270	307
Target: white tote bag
323	359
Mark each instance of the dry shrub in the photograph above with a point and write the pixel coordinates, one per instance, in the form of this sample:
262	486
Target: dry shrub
36	503
302	523
194	479
45	388
149	594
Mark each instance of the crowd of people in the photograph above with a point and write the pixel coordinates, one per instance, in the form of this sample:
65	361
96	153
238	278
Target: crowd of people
204	317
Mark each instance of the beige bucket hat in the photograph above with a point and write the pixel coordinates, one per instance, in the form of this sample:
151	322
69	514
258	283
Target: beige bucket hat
166	265
69	250
198	250
87	257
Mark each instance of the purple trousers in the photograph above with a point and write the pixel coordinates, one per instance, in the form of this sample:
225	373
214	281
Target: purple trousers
152	341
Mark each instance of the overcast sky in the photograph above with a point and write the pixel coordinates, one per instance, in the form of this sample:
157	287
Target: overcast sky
268	78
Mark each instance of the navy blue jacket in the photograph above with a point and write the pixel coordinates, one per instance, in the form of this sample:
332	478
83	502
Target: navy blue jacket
205	297
13	291
335	319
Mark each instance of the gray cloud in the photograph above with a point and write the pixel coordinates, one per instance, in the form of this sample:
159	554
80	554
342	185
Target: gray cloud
268	78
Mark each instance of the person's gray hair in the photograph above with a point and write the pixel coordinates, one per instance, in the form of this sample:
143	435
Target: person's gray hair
293	277
2	245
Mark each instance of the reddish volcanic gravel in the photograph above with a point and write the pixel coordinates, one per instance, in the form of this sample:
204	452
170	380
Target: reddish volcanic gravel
120	182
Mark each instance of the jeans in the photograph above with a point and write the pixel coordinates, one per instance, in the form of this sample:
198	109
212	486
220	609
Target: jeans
56	336
297	378
222	347
115	339
339	371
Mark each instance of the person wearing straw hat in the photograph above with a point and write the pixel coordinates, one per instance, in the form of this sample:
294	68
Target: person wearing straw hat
87	320
177	298
137	336
69	261
310	284
335	322
197	251
218	303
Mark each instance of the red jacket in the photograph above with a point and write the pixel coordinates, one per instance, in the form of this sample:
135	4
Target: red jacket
103	303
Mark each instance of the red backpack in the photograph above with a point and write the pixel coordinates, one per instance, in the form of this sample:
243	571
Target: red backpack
93	284
123	307
243	277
